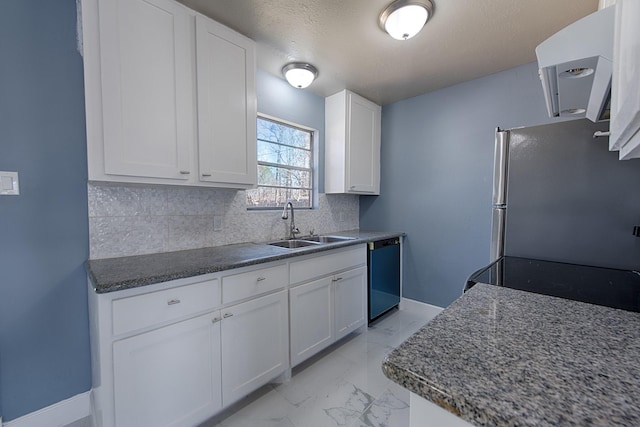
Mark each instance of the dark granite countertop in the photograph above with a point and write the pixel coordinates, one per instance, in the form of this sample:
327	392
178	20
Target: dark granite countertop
114	274
506	357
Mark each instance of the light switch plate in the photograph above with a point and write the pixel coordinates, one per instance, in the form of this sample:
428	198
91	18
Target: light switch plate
9	184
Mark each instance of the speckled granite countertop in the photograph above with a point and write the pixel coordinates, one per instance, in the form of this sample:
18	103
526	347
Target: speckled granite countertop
114	274
504	357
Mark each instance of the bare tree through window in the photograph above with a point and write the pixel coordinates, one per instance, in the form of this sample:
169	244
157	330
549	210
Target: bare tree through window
285	159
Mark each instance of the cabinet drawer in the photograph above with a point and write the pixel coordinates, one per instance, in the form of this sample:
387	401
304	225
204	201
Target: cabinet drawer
252	283
323	265
141	311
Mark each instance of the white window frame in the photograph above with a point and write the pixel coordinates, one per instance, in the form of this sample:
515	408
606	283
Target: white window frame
314	161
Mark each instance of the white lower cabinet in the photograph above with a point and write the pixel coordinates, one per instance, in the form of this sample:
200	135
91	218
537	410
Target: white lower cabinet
169	376
255	343
311	318
331	306
176	353
350	299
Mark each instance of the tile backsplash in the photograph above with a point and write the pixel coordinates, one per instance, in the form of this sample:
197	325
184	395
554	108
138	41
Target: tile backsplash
129	220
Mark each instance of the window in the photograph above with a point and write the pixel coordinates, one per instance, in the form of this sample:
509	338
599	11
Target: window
285	171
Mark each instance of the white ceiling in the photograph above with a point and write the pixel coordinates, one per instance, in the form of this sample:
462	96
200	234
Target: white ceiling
463	40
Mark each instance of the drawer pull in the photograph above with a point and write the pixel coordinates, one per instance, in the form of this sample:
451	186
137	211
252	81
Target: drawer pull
184	172
206	174
227	315
337	279
260	279
215	320
173	301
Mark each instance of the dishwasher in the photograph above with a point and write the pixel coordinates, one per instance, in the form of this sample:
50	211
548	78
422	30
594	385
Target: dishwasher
383	261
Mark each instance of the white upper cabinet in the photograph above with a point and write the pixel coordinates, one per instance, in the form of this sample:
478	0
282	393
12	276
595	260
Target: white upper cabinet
226	104
352	144
147	104
145	84
625	86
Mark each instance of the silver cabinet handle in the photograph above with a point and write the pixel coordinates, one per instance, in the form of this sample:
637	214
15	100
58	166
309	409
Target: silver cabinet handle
215	320
184	172
227	315
173	301
353	187
206	174
337	279
260	279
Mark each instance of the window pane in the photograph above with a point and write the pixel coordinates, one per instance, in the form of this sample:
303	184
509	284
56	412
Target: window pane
266	197
285	166
281	177
284	155
283	134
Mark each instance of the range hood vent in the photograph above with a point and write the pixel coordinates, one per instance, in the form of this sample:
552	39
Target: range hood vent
575	67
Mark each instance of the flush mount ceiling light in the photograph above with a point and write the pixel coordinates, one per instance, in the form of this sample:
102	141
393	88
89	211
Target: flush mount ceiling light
403	19
299	74
576	73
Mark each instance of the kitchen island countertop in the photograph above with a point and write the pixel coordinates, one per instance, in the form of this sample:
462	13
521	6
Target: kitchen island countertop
505	357
114	274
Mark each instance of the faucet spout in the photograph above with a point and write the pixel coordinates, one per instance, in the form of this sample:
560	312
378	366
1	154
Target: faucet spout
293	230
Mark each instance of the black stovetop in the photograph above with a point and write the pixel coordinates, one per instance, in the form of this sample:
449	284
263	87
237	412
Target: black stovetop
596	285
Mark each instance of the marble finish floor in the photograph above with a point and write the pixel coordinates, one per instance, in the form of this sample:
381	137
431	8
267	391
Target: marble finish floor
343	386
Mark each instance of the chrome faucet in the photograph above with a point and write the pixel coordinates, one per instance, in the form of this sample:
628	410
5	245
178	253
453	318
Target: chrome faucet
293	230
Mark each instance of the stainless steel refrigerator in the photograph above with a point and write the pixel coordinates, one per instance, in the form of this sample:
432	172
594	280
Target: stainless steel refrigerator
560	195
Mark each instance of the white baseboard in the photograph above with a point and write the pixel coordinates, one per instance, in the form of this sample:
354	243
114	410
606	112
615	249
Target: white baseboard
59	414
413	306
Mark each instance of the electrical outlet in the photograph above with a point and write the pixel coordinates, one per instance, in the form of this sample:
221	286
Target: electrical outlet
217	223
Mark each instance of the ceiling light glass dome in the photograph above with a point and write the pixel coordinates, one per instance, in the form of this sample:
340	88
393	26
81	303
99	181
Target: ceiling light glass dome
403	19
300	74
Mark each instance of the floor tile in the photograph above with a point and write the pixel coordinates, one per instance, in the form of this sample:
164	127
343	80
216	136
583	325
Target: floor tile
338	405
343	386
389	410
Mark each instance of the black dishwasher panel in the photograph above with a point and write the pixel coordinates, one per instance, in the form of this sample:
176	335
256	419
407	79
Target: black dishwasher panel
383	258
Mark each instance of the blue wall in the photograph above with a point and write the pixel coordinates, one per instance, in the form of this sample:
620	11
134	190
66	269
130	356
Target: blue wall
436	176
279	99
44	338
44	343
436	185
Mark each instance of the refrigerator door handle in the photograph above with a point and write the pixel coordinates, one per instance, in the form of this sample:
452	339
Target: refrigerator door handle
500	171
497	233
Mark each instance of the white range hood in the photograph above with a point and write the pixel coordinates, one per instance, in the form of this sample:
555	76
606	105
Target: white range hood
575	67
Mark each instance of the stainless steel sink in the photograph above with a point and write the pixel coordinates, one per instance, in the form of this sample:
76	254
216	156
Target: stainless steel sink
293	243
327	239
309	241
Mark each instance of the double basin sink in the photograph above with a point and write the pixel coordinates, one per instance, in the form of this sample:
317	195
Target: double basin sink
309	241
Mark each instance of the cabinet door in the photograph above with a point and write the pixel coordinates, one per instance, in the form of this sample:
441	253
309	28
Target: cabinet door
226	104
311	318
255	344
625	84
350	299
363	148
169	376
147	89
